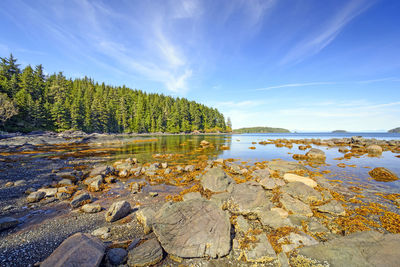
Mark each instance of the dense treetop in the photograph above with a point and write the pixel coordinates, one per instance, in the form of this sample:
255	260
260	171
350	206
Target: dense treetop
395	130
31	100
260	130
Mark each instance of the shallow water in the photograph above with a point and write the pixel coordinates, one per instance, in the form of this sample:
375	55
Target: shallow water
187	146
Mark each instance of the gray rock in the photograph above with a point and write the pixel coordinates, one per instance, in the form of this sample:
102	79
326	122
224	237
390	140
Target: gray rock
374	150
153	194
248	199
216	180
102	232
261	251
75	251
359	249
20	183
268	183
220	198
189	168
242	225
102	170
272	219
97	178
167	171
261	174
316	227
49	192
283	260
191	195
8	222
295	205
135	188
164	165
80	200
117	211
35	196
65	181
333	207
146	254
282	166
291	177
62	195
110	179
117	256
194	228
91	208
316	154
297	240
145	217
303	192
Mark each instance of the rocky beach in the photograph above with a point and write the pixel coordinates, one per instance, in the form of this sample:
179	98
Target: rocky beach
66	201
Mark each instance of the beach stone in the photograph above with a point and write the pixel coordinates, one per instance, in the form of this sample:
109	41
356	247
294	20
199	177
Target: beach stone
316	227
91	208
343	150
77	250
283	213
283	166
35	196
102	232
248	198
291	177
116	256
80	199
382	174
96	185
272	219
204	143
294	205
374	149
117	211
189	168
90	180
333	207
191	195
302	191
153	194
316	154
9	184
216	180
146	254
20	183
369	248
65	181
302	147
193	228
110	179
135	188
261	251
261	174
8	222
164	165
268	183
49	192
62	195
102	170
298	239
145	217
167	171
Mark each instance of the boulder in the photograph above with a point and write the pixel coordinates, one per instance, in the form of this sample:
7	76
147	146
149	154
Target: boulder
116	256
102	232
282	166
374	150
102	170
35	196
77	250
272	219
290	177
303	192
192	229
368	248
382	174
65	181
260	251
268	183
316	154
146	254
248	199
333	207
118	210
295	205
80	199
8	222
145	217
91	208
216	180
62	195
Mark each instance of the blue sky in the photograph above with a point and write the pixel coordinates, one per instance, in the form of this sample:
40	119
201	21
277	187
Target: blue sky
302	65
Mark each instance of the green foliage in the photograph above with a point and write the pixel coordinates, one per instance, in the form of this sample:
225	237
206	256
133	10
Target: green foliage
260	130
395	130
54	102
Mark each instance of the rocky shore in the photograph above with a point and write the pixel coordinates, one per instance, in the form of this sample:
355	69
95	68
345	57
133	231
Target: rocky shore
56	211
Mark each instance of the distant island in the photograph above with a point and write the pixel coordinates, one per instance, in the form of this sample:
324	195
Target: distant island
339	131
260	130
395	130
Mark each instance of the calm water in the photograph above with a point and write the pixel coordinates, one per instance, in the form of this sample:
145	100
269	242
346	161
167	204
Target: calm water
239	149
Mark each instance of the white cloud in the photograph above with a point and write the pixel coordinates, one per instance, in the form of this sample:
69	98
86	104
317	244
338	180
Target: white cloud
293	85
314	43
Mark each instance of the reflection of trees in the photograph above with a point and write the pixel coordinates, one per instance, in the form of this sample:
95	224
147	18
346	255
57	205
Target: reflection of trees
187	145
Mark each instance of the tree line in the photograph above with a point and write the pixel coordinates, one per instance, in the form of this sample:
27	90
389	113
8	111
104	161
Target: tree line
31	100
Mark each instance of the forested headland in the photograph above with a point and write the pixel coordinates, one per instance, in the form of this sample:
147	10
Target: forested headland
260	130
31	100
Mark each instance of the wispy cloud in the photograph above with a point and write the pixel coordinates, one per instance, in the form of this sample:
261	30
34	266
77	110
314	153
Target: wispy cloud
293	85
321	38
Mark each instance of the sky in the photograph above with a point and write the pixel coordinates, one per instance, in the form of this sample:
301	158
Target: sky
304	65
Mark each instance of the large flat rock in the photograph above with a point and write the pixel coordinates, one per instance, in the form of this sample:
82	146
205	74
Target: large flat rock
193	228
216	180
146	254
360	249
77	250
